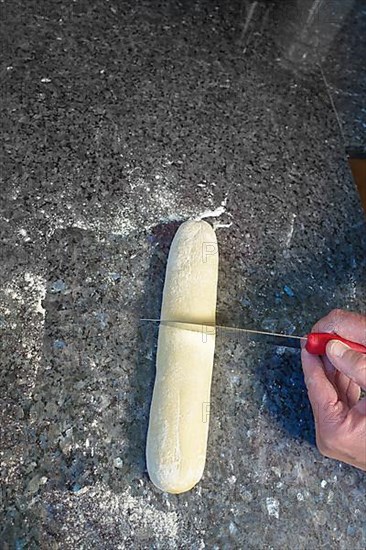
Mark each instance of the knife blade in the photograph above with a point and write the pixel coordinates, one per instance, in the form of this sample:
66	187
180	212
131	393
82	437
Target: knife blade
271	338
315	342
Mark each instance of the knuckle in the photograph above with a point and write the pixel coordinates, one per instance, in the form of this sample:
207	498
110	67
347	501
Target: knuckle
357	362
335	317
330	321
360	363
336	312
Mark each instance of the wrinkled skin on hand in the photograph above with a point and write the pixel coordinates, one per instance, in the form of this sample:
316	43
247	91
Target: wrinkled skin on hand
334	382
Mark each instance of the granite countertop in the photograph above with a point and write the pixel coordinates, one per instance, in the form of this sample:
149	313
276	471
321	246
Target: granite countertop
120	120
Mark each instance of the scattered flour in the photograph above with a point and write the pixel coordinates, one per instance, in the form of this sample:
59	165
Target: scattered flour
107	509
218	225
215	214
291	230
352	287
25	291
212	213
37	285
273	507
22	313
143	204
159	205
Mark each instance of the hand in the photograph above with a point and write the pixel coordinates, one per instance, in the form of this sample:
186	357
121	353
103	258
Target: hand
334	384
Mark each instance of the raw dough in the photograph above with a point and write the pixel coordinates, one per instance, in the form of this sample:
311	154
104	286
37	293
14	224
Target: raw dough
179	414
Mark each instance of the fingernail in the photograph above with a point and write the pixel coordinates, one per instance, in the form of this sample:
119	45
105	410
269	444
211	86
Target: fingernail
337	348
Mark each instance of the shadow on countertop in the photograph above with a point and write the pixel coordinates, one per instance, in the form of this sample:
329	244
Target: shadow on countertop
289	297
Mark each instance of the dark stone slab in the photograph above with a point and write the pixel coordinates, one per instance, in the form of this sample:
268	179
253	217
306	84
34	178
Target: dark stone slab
120	120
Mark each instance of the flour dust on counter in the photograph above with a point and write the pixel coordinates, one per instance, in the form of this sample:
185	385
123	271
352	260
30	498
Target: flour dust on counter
115	515
24	293
122	120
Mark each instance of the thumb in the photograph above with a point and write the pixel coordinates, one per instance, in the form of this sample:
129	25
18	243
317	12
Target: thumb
345	359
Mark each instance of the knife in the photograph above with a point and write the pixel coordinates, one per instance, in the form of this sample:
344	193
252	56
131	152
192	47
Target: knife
315	342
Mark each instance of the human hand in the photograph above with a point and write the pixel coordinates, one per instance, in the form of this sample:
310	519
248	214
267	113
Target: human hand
334	382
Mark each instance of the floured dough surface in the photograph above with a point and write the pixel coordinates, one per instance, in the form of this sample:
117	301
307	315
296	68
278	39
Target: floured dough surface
179	415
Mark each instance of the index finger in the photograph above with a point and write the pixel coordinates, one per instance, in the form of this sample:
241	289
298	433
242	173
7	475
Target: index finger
345	323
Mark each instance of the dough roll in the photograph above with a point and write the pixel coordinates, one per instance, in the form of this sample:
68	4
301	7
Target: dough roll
179	414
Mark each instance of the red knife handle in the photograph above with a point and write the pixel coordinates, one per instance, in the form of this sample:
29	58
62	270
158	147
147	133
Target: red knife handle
316	342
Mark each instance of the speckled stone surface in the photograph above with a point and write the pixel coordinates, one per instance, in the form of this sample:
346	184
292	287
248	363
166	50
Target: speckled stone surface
344	73
120	120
